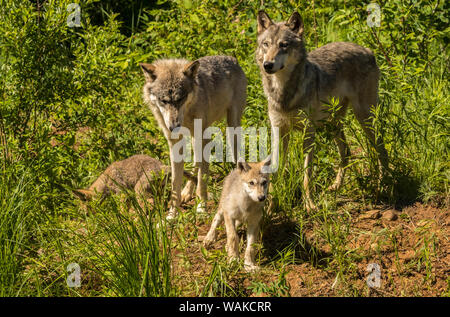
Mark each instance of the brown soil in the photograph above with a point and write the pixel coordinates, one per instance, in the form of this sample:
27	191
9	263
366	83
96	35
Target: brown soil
411	247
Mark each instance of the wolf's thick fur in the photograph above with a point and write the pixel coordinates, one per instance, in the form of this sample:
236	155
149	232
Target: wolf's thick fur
242	200
179	91
134	173
295	80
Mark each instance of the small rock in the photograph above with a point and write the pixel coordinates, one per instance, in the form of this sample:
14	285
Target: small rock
371	214
390	215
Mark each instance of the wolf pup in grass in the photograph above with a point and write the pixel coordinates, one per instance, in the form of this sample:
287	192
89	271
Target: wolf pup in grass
242	200
300	85
133	173
178	92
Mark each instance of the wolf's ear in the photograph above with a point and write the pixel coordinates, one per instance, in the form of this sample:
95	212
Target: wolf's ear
295	23
191	69
266	165
267	161
243	166
263	21
149	71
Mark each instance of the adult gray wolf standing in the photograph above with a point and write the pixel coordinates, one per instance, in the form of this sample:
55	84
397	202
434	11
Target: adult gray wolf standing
178	92
295	80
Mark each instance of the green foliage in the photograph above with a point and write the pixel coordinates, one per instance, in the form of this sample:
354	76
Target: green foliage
17	227
276	289
135	242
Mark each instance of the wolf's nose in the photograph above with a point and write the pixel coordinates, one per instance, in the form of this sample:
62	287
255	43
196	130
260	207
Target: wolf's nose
174	126
268	65
262	197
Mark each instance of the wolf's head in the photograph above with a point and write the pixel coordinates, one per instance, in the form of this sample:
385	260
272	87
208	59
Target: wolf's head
255	179
280	45
170	85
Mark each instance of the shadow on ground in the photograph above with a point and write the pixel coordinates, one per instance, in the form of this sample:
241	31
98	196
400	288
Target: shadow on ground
282	234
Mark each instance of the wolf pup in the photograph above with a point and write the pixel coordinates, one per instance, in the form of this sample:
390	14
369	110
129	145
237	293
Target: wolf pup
179	91
242	200
295	80
134	173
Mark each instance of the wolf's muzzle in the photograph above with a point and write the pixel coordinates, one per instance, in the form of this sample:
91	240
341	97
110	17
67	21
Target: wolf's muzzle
174	126
268	66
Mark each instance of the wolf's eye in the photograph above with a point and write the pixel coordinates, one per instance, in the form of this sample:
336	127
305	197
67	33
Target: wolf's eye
265	44
252	183
264	183
180	99
284	44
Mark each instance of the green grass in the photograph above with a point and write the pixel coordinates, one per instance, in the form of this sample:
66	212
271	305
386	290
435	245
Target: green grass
136	242
16	225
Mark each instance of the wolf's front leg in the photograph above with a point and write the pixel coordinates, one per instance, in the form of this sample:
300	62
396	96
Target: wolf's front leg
232	238
252	238
279	127
212	233
177	180
203	173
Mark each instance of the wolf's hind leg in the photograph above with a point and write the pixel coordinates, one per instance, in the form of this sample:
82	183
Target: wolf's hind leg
344	152
202	176
308	150
361	108
187	192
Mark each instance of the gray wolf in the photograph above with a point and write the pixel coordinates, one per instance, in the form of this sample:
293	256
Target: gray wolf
179	91
300	86
134	173
242	200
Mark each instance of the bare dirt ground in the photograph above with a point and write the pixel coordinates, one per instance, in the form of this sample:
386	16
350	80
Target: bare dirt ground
410	246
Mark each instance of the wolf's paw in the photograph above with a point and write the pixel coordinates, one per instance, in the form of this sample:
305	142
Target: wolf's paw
251	268
172	214
311	207
233	260
334	187
187	192
201	207
208	241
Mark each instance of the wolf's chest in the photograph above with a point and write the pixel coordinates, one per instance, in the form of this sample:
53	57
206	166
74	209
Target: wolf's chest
287	95
248	209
